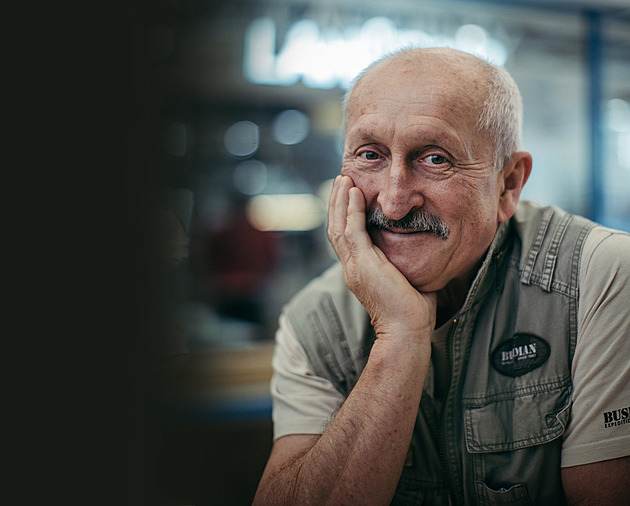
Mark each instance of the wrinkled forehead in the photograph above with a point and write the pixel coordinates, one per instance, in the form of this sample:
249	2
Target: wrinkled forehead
451	83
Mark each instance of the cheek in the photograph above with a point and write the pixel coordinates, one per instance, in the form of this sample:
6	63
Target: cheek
478	200
367	183
480	221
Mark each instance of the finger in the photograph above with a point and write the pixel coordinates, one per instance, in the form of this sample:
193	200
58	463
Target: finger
356	232
336	222
332	202
337	218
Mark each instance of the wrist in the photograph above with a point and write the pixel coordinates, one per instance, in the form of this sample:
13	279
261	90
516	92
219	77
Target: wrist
403	331
400	346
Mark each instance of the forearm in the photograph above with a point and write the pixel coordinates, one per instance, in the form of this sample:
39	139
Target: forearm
359	459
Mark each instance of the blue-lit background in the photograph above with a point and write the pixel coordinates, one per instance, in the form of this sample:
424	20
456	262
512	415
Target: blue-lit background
243	101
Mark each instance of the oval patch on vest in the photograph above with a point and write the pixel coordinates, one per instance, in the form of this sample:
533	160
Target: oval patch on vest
521	354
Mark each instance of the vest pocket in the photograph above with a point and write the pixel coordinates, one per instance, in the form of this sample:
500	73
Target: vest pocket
523	417
514	496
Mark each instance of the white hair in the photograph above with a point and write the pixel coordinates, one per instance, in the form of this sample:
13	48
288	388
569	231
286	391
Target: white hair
501	116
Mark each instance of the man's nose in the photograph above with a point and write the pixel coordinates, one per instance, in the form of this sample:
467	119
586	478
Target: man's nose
400	192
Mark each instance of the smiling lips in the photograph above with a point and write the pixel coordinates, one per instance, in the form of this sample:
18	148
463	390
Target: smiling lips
416	221
394	230
392	236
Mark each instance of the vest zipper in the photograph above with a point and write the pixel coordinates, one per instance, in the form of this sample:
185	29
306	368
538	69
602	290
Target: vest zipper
446	469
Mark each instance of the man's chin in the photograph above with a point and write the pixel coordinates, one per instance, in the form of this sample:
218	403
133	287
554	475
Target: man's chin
413	256
424	282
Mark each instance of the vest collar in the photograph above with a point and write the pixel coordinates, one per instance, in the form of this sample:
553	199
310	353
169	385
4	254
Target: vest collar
486	275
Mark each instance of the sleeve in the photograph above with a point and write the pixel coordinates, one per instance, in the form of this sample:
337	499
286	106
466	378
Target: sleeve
599	428
303	403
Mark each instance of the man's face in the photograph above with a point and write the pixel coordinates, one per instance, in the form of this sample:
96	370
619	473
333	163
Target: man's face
412	144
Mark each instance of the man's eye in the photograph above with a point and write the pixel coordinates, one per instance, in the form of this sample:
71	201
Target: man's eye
371	155
437	159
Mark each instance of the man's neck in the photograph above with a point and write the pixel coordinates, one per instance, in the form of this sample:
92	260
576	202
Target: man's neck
451	298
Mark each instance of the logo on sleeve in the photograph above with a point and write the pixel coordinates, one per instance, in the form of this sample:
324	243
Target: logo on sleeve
616	417
521	354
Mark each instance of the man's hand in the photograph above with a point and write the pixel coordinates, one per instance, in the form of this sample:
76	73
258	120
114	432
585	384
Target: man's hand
397	309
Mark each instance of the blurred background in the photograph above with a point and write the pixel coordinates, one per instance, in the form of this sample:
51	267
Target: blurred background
242	102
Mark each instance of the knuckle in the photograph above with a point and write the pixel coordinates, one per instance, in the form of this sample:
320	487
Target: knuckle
335	236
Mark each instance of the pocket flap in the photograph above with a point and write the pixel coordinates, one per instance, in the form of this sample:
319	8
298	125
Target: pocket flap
511	420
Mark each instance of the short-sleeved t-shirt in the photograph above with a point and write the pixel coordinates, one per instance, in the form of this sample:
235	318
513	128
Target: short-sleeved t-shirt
599	427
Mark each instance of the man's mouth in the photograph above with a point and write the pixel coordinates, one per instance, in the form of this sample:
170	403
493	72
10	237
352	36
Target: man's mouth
417	221
396	230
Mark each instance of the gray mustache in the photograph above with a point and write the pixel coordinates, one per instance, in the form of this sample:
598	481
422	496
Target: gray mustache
417	220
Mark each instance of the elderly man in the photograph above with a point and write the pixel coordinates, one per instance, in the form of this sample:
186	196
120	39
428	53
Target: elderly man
467	348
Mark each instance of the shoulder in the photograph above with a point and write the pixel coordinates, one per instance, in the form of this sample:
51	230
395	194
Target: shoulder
605	250
552	242
326	291
604	294
543	228
329	282
535	220
326	314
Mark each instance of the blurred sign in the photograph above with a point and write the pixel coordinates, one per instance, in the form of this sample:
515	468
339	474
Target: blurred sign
329	57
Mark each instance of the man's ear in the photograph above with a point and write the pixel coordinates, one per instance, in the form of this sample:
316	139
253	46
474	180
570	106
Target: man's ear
513	177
